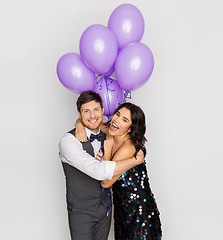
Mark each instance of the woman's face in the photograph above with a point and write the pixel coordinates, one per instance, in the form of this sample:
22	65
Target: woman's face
121	122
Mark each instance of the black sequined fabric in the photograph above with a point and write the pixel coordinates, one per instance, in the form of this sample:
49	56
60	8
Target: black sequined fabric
136	215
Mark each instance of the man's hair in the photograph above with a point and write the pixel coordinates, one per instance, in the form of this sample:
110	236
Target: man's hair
86	97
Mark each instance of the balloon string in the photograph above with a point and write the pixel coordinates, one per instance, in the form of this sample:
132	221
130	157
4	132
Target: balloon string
99	76
104	201
108	118
107	95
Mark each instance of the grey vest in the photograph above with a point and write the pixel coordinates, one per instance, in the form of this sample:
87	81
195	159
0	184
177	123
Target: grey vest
84	192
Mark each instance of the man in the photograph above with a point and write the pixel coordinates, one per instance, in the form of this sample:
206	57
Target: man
88	204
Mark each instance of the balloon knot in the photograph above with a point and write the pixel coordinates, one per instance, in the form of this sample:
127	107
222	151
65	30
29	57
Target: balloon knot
127	95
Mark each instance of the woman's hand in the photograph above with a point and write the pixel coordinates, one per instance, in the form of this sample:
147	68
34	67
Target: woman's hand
108	144
100	156
80	132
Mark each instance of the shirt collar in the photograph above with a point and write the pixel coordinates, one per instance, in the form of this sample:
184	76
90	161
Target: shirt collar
89	132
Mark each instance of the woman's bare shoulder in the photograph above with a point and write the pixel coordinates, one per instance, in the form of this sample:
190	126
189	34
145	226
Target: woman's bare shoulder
126	151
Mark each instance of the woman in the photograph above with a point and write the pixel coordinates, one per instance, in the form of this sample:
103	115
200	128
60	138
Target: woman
135	211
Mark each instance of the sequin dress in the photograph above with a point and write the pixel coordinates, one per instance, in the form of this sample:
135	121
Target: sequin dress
136	215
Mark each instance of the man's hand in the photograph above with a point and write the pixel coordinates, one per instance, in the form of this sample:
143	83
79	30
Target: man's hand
140	157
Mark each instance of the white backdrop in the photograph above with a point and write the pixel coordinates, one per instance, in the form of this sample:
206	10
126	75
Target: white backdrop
183	103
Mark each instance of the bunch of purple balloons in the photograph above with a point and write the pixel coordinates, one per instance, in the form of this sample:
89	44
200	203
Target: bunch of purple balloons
104	50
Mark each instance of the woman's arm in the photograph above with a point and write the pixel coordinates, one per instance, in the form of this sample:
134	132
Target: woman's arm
80	132
125	152
108	144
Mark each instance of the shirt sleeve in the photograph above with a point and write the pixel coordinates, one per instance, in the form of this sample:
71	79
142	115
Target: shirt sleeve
71	152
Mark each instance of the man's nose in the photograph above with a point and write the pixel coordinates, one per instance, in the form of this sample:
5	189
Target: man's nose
92	114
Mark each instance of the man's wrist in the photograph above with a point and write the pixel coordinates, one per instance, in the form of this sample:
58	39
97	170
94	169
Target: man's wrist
138	160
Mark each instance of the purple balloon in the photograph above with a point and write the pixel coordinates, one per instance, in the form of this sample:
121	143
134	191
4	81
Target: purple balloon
74	74
111	94
134	66
110	71
98	48
127	23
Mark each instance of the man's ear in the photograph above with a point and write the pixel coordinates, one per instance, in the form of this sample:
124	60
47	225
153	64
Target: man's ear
79	114
102	109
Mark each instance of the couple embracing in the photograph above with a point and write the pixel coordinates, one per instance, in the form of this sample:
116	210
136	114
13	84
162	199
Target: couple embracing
98	157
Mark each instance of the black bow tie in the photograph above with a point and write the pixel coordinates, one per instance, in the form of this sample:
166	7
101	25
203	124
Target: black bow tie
98	137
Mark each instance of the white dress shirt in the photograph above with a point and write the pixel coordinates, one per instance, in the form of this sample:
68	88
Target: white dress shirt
71	152
95	144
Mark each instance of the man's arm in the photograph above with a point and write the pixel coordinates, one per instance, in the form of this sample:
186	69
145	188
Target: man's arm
124	165
71	152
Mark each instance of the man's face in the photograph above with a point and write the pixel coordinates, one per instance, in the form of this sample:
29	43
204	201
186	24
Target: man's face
91	115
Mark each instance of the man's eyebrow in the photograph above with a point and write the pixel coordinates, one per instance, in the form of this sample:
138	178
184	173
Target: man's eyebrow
84	109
